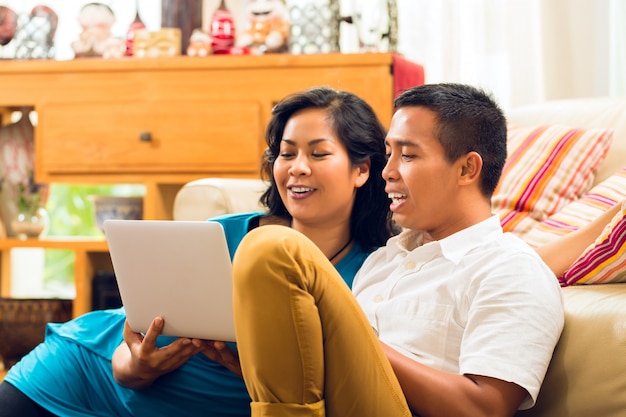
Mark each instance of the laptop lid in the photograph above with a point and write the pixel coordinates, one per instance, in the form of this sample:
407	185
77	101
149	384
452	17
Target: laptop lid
178	270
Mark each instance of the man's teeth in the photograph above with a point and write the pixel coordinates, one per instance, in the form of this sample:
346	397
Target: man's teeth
396	197
301	189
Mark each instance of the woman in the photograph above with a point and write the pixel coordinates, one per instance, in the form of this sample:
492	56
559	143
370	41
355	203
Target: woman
324	162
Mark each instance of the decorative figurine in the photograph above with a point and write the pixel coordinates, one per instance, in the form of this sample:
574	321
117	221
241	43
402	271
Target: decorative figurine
199	43
222	30
96	20
268	27
161	43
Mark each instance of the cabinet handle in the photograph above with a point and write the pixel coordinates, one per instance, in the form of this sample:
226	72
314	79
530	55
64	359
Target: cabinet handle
145	137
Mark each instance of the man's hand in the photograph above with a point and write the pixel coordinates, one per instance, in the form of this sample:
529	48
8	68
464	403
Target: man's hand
137	362
220	352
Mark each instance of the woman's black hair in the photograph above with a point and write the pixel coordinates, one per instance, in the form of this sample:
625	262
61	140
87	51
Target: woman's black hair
356	125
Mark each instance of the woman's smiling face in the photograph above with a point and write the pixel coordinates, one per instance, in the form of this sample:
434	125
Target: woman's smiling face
313	173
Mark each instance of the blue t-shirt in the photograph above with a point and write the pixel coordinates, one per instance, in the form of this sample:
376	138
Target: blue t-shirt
70	373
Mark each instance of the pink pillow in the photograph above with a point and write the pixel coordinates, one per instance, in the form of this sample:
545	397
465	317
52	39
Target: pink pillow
580	212
605	260
547	167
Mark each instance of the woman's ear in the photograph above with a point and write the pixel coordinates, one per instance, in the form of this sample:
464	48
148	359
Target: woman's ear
472	165
363	173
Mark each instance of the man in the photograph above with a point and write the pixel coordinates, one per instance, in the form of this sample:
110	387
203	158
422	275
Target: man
467	316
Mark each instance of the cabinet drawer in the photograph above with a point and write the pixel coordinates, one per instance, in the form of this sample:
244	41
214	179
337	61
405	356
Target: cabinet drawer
149	137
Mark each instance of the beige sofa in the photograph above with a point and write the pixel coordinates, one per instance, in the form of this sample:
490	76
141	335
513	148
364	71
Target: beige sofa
587	375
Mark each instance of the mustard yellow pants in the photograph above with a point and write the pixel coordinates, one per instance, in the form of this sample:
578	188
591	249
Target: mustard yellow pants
306	347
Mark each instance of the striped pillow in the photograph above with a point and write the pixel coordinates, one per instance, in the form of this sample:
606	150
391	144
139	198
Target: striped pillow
605	260
580	212
547	167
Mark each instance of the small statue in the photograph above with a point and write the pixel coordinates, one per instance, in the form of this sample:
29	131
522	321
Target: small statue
199	43
96	20
268	27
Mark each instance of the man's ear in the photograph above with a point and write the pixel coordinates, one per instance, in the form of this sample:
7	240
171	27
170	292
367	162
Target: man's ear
363	173
471	167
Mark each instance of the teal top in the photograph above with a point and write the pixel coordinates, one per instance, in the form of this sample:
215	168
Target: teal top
70	373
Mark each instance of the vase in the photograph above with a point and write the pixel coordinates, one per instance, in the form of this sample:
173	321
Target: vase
23	324
30	223
314	26
134	26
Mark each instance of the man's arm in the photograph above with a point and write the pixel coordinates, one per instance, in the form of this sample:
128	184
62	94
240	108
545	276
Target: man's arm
432	393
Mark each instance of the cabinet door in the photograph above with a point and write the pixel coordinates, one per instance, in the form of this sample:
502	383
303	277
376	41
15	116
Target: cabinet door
149	137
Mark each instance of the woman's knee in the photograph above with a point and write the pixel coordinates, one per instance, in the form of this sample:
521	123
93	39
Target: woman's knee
262	248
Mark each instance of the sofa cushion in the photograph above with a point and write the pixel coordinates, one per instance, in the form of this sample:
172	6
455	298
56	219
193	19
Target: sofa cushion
209	197
586	375
547	167
580	212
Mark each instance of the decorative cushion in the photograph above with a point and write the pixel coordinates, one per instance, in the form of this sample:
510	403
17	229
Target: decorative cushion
580	212
547	167
603	261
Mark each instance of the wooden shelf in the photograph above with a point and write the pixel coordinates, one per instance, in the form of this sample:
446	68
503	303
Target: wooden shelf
77	243
90	255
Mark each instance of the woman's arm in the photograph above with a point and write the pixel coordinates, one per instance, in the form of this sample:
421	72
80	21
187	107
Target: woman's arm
138	362
561	252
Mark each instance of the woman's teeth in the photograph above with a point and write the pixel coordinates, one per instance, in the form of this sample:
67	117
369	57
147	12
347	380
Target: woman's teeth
396	198
301	189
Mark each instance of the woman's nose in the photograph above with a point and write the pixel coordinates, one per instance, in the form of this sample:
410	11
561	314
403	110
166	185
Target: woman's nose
300	166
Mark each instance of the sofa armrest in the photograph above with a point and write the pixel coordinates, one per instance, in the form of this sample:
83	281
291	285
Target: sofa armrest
587	374
208	197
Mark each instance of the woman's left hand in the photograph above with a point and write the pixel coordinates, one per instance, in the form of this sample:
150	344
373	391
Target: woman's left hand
220	352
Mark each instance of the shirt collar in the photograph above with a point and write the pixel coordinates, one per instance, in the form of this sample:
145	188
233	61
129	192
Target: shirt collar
453	247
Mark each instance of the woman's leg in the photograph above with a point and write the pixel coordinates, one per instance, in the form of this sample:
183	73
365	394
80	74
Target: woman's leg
13	403
306	348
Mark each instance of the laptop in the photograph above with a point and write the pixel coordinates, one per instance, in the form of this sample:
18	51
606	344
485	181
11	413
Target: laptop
178	270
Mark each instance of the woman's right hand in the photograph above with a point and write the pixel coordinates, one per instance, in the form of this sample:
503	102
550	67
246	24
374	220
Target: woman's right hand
138	362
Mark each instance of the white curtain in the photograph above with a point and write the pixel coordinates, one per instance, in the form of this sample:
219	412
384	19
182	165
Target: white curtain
524	51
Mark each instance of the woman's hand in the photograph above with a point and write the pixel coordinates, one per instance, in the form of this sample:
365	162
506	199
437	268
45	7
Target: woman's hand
137	362
220	352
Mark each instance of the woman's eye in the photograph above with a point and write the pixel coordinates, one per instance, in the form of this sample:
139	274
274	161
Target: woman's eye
286	155
387	156
407	157
320	154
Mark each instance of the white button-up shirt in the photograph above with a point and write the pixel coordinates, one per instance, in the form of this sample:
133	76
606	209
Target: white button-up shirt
478	302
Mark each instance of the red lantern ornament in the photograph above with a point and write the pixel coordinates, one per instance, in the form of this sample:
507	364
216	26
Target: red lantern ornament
222	30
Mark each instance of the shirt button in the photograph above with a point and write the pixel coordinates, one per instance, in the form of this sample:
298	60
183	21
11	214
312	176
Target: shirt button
410	265
378	299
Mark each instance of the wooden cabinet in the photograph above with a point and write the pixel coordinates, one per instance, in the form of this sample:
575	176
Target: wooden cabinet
149	138
163	122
